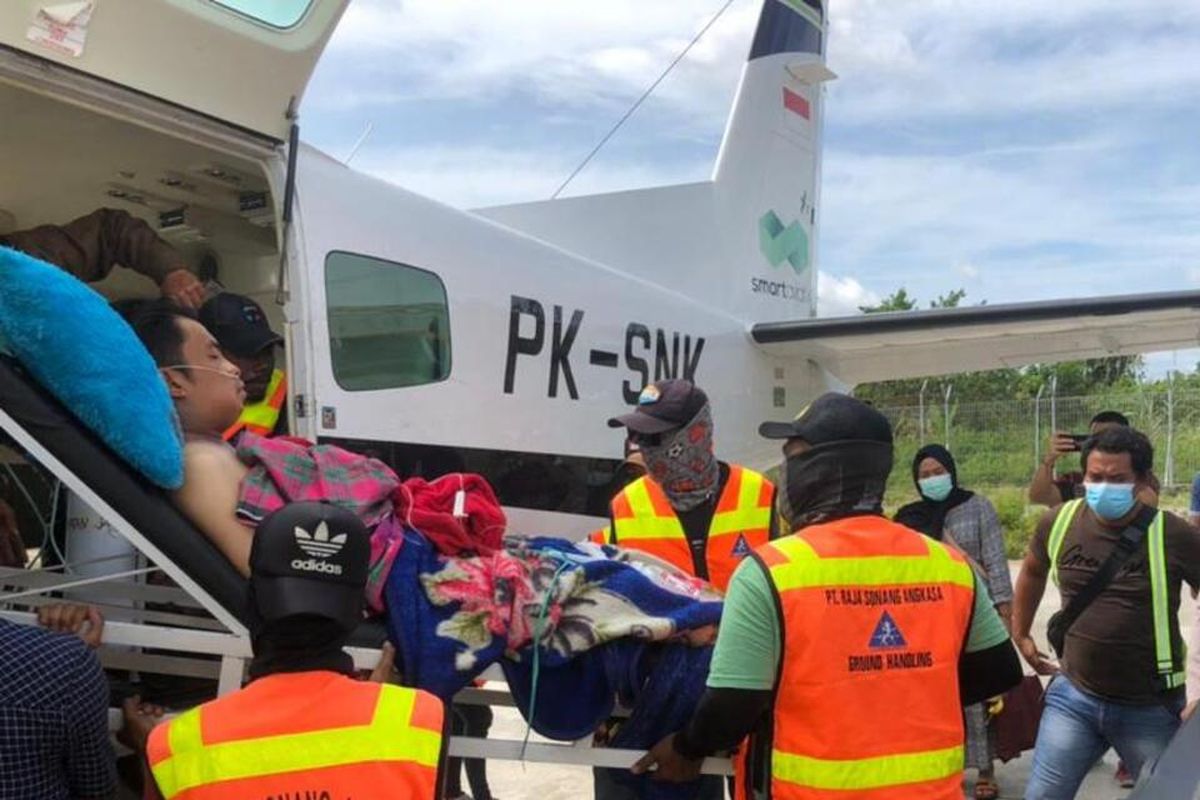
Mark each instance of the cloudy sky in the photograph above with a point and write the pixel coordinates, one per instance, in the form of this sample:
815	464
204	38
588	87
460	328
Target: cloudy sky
1021	150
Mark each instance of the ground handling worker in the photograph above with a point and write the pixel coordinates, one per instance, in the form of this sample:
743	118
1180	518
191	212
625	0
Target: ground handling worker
847	650
698	513
247	341
304	726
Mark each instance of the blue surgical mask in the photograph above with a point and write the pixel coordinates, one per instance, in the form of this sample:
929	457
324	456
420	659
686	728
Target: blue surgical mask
936	487
1110	500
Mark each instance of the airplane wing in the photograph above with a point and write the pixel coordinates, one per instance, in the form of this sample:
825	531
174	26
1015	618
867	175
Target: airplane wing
909	344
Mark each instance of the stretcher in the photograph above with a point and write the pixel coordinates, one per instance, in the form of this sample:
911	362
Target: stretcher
214	644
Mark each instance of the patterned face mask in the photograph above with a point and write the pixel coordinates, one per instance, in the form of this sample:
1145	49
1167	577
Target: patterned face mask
683	464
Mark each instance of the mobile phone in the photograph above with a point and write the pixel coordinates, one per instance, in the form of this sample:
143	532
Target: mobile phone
1079	439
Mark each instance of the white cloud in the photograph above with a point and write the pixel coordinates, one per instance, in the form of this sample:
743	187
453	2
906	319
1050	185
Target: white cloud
840	297
479	176
968	271
574	53
927	58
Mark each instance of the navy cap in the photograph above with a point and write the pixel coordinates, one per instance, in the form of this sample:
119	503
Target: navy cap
663	406
310	559
832	417
239	324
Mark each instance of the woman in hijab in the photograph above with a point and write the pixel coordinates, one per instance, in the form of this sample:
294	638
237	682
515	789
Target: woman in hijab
967	520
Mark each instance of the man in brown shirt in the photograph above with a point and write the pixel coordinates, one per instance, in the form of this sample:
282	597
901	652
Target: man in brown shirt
1107	690
89	248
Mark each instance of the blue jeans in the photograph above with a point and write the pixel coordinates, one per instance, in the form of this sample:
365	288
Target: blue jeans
1078	727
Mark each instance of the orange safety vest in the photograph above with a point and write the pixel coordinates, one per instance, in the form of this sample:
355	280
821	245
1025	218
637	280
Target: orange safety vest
873	620
318	734
644	520
261	417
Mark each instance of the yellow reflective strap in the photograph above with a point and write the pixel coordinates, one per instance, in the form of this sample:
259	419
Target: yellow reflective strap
645	524
1066	514
747	516
1158	594
750	489
183	735
867	773
803	572
742	519
263	414
387	738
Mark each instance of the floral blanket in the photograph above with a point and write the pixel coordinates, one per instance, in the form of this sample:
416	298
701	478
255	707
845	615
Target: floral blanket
452	617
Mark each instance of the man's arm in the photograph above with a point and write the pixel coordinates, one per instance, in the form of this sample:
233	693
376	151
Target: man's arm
1042	489
90	246
209	498
1031	585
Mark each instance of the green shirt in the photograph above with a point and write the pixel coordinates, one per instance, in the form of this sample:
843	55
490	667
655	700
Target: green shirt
747	652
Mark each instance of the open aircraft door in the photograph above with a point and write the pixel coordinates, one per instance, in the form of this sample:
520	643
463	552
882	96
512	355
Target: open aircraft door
244	62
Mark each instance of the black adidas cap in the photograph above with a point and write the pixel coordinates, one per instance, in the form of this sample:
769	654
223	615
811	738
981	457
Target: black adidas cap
832	417
310	558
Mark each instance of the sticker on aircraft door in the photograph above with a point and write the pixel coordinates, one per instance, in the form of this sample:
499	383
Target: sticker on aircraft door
62	27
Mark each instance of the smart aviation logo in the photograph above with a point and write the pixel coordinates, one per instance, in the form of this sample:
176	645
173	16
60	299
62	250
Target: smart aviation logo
320	545
779	243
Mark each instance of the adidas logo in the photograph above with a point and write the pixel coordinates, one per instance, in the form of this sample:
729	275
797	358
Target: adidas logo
319	544
316	565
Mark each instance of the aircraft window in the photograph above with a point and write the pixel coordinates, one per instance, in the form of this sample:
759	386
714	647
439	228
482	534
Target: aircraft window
389	324
276	13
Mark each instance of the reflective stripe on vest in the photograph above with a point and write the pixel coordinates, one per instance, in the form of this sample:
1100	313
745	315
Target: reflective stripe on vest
600	536
644	520
874	618
1164	656
263	416
395	737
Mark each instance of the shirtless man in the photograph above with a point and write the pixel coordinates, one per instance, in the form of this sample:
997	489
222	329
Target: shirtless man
208	394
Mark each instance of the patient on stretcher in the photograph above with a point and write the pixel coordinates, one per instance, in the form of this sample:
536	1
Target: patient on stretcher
457	597
208	394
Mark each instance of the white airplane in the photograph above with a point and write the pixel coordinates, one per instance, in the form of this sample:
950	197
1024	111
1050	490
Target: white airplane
500	340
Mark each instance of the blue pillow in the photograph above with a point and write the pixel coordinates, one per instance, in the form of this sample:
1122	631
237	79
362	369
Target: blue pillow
86	355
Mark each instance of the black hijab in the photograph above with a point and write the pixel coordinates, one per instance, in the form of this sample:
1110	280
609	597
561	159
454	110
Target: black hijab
925	515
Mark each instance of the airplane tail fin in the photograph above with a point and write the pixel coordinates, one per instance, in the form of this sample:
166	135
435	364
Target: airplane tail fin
743	242
767	176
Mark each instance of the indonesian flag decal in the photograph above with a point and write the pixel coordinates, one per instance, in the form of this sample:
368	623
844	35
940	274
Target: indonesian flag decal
796	104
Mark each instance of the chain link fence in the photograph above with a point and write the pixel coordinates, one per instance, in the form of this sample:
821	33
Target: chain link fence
999	443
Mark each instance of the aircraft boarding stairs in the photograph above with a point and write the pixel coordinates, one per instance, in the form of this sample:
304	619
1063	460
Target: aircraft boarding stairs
204	634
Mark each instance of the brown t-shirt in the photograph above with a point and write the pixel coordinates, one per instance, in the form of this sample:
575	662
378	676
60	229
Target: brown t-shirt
1109	651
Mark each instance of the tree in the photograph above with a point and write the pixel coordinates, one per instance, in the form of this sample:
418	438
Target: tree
896	301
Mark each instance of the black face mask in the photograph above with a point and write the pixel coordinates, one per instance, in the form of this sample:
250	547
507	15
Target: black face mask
831	481
300	644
